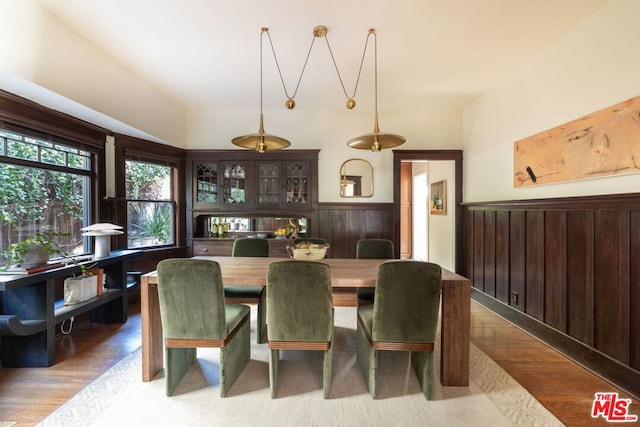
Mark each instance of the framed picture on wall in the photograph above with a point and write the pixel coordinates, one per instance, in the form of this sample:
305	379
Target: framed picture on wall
438	198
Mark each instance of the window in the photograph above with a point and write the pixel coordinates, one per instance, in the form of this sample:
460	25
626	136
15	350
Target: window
150	204
45	186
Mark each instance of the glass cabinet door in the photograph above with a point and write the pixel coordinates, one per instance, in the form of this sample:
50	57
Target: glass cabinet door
269	184
206	184
234	184
297	191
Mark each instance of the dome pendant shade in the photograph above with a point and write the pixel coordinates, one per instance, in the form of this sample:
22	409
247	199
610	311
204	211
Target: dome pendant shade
261	141
376	140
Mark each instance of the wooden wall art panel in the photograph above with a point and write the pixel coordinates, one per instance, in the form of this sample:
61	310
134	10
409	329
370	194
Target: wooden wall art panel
605	143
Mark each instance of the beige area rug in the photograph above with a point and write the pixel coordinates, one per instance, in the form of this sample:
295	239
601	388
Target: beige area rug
119	397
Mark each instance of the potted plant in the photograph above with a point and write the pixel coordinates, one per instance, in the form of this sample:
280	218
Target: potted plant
35	251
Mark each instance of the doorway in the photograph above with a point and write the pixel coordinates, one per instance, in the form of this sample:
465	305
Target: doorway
438	235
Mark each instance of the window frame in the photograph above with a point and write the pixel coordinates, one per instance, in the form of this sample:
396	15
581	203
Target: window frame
136	149
25	117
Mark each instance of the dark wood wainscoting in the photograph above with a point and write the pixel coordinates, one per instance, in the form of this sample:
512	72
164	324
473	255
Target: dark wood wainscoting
566	270
343	224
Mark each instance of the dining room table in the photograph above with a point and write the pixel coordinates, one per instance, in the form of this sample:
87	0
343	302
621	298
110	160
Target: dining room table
347	274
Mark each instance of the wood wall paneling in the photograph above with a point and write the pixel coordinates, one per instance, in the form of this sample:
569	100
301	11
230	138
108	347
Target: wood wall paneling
478	250
567	270
612	283
343	224
534	264
580	256
502	256
517	263
555	267
489	253
634	291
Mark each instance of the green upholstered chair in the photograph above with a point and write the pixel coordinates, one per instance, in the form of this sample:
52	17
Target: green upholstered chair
193	314
403	317
372	249
299	314
250	247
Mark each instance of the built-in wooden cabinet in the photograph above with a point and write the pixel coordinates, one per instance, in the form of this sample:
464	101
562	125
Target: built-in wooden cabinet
242	183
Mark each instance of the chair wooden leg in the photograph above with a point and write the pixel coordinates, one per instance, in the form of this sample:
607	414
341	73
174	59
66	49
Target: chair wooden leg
261	321
274	356
178	363
422	363
327	371
234	356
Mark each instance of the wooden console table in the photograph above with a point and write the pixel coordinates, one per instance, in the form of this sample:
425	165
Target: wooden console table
345	273
30	312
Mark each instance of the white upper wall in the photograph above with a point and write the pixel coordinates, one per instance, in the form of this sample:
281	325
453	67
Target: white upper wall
594	66
428	129
43	59
50	58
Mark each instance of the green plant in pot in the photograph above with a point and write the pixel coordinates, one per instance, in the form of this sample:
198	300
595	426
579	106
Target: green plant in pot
35	251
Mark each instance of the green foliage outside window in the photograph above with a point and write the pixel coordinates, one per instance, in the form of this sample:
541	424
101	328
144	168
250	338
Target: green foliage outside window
149	204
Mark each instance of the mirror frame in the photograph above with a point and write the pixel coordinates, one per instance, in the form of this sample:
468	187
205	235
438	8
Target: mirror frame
344	174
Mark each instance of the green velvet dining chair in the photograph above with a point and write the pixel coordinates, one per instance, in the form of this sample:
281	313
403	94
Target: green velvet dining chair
299	314
194	314
403	317
372	249
255	295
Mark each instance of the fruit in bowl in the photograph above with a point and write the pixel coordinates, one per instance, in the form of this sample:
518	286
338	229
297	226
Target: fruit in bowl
307	251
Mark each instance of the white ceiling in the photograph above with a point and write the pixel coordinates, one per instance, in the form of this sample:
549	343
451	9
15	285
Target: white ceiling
431	53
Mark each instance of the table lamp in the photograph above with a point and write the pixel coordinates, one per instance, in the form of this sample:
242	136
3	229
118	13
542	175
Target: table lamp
102	232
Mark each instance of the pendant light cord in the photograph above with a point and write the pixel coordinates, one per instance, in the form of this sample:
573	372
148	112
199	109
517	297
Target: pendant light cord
364	52
280	72
335	64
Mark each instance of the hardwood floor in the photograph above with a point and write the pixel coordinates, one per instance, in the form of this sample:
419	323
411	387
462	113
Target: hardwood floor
28	395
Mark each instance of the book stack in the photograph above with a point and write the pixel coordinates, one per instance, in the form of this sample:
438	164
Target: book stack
32	270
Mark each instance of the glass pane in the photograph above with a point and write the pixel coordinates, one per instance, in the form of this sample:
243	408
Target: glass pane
146	181
21	150
149	224
206	183
34	200
297	178
234	183
268	182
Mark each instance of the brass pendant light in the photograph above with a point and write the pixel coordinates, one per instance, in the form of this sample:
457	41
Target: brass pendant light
376	140
261	141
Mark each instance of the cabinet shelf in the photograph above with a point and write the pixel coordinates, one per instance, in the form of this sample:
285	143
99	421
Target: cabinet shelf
63	312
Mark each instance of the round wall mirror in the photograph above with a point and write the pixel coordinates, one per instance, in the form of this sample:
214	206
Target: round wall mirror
356	178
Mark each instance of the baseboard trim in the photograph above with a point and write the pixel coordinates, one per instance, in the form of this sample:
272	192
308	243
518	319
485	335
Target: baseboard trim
622	376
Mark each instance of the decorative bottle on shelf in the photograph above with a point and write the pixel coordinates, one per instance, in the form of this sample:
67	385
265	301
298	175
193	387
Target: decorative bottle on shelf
213	229
294	228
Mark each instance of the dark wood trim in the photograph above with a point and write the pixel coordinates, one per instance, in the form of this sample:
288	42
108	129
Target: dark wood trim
31	115
432	155
27	117
130	147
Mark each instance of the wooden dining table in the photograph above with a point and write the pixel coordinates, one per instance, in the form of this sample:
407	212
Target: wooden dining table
346	276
